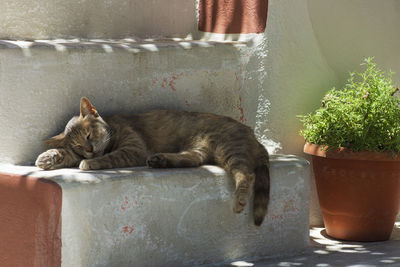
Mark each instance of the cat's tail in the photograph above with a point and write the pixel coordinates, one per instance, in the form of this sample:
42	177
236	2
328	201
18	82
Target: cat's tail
261	190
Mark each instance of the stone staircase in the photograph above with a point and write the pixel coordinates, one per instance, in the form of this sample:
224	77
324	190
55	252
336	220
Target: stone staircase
130	56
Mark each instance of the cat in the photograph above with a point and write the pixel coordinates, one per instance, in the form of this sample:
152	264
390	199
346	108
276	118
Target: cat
165	139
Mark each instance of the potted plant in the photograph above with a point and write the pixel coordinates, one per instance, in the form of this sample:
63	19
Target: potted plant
354	140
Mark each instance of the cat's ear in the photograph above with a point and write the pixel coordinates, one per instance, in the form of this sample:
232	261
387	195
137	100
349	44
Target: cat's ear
56	141
87	108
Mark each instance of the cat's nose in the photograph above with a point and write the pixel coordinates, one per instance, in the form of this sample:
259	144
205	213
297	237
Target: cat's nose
89	148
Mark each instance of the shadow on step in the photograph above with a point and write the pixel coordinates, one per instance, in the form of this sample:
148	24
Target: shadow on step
328	252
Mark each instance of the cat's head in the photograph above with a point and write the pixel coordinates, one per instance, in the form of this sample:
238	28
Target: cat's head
87	134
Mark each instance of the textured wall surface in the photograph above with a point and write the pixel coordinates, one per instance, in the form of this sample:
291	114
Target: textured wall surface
297	75
175	217
48	19
349	31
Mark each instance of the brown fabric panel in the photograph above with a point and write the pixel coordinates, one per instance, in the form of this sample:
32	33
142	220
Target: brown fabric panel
233	16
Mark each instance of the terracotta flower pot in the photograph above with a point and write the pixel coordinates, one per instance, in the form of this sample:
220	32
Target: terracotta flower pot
358	192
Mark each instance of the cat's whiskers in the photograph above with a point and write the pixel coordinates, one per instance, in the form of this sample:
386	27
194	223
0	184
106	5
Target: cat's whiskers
99	149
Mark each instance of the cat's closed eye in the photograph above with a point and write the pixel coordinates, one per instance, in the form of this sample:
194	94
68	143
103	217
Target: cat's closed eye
77	146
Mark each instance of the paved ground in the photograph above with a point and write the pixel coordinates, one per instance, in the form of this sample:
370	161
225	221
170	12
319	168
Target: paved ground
326	252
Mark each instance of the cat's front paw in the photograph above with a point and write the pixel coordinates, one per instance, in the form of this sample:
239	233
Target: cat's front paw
157	161
50	159
89	164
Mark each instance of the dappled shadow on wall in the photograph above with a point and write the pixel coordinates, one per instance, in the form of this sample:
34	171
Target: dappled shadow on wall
131	45
233	16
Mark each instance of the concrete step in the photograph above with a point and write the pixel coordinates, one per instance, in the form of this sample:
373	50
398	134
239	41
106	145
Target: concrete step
50	19
43	81
146	217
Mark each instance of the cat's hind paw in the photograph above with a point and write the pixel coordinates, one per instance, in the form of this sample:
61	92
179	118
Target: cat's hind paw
50	159
157	161
242	194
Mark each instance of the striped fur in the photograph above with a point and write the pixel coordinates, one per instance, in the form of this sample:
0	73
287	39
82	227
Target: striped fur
165	139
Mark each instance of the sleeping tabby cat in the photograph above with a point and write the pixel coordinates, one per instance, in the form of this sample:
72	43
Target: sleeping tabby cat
164	139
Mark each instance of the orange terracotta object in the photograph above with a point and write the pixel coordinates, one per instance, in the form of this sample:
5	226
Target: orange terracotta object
30	221
233	16
358	192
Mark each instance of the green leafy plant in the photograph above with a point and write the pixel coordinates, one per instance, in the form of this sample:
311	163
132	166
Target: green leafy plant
363	116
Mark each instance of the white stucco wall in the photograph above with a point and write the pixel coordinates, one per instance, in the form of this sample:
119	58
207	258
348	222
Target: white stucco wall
297	73
294	75
349	31
50	19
